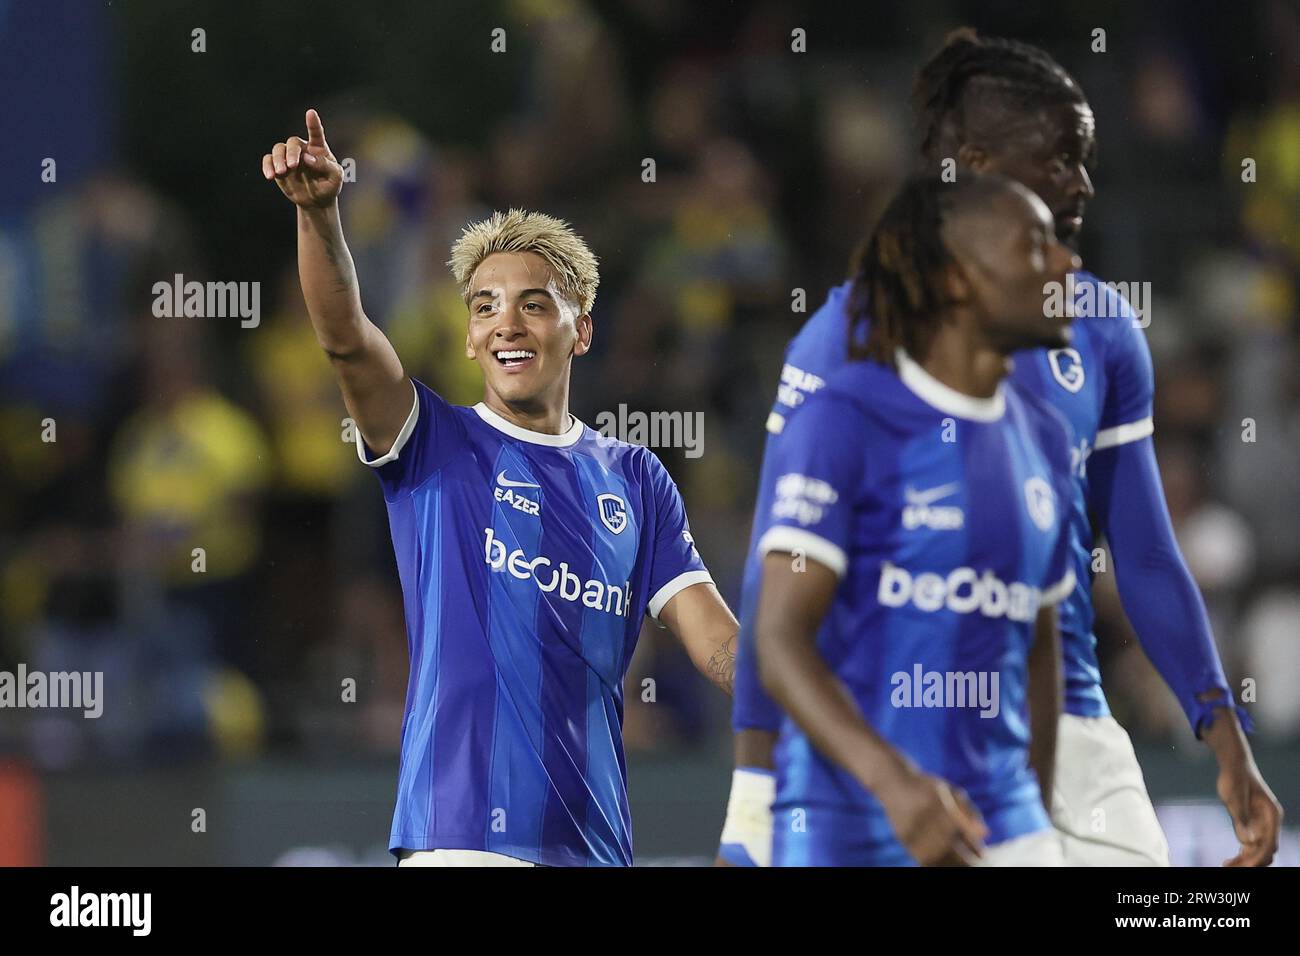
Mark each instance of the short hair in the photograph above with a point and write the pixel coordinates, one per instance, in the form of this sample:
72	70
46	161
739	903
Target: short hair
573	265
972	72
898	291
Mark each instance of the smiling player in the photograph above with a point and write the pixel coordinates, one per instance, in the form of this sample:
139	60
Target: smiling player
529	547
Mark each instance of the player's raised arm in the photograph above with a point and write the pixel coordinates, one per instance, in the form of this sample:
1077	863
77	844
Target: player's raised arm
1046	691
375	388
934	822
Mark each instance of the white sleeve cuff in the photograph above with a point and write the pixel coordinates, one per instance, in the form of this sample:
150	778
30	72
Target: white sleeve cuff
1059	591
1123	434
398	443
669	590
792	540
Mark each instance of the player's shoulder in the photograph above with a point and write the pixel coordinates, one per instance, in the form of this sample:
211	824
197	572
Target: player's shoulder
1103	307
629	459
822	342
863	388
1051	428
817	349
428	397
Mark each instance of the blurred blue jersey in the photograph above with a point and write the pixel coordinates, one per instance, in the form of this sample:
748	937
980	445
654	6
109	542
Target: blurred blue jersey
945	518
527	562
1103	384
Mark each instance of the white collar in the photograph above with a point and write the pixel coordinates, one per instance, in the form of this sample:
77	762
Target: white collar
563	440
947	400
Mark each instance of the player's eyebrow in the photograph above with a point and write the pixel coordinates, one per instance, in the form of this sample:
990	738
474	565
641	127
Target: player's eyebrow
489	294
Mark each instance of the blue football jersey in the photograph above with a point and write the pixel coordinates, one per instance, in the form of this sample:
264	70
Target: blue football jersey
946	519
819	349
527	562
1102	384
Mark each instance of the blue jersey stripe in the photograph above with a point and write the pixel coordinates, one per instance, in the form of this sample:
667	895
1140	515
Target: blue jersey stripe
564	692
603	651
417	730
517	792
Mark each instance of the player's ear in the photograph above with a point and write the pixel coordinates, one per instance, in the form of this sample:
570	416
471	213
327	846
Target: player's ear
584	328
469	349
956	285
973	157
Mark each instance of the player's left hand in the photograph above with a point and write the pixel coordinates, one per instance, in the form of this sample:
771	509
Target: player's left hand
1256	814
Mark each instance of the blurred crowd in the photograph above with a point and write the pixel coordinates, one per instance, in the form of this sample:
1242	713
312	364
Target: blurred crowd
182	509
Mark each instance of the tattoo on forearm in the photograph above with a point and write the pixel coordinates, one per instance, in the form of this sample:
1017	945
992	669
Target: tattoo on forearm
721	668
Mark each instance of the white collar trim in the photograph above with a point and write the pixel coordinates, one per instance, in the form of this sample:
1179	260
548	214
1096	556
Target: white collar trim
950	401
563	440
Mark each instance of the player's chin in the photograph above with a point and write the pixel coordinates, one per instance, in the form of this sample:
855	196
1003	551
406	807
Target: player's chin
1068	230
517	389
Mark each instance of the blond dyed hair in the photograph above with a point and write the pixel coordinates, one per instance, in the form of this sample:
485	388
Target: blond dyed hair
572	264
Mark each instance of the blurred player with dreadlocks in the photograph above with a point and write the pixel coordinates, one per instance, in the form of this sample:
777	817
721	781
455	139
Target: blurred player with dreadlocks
997	105
910	568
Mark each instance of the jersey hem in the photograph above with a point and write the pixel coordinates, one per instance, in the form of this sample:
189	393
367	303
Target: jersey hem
1085	706
399	842
403	436
671	589
1059	591
785	538
1123	434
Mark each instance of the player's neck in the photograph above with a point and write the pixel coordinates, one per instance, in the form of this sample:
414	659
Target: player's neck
546	415
963	365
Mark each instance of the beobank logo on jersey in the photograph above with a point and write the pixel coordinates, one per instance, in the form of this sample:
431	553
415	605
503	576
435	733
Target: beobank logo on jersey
963	591
597	595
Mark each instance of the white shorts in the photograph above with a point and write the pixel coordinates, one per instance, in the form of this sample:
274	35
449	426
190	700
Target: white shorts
457	858
1099	799
1041	848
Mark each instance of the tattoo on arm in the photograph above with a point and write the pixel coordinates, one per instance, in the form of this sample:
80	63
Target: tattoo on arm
721	668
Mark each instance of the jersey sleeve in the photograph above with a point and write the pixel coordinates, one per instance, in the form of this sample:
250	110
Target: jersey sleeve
1126	410
1159	594
428	438
675	564
1058	440
816	482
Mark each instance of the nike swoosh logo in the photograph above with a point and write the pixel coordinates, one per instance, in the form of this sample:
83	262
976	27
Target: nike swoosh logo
923	498
507	483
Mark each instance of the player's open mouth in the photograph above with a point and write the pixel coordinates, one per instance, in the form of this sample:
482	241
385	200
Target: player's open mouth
1069	223
515	358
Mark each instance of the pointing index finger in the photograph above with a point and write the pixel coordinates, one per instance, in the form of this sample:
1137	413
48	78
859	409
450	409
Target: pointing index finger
315	129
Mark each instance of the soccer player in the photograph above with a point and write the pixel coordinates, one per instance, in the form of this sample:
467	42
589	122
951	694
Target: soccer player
528	546
915	545
1003	106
